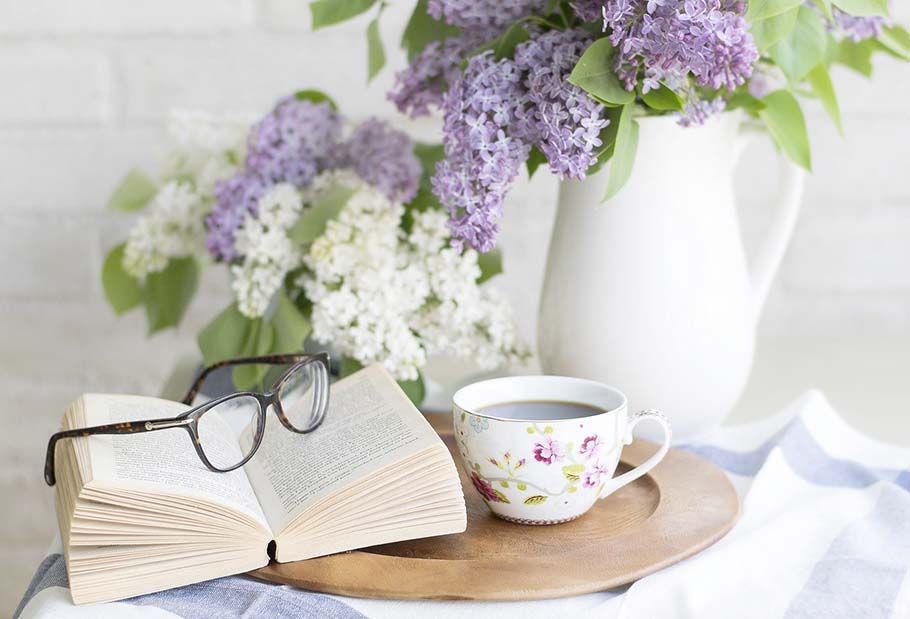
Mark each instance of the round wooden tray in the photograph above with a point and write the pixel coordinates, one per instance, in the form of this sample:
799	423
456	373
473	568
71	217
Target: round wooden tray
684	505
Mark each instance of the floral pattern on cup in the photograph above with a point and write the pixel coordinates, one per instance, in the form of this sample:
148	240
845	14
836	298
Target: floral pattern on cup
590	446
580	468
486	489
479	424
548	451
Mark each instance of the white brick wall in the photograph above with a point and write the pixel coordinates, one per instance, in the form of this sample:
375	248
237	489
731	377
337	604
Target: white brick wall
50	17
87	84
47	83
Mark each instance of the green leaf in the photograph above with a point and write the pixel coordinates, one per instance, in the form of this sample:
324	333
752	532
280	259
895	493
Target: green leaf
573	472
522	486
856	56
490	264
291	326
743	100
414	389
316	96
168	293
896	41
825	7
258	342
594	73
624	150
429	155
863	8
820	80
328	12
802	49
769	31
763	9
536	499
510	39
662	99
422	30
500	496
224	337
784	119
375	51
312	222
607	137
122	290
133	192
422	201
535	158
349	365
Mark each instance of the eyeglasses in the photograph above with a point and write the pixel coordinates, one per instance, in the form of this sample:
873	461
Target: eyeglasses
300	397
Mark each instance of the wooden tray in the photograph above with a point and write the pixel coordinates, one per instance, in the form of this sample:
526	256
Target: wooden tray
682	506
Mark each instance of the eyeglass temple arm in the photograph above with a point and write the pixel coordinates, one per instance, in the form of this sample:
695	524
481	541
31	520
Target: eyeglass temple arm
126	427
265	359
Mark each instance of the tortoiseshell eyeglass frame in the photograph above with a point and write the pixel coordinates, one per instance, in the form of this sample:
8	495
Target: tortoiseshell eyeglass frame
189	420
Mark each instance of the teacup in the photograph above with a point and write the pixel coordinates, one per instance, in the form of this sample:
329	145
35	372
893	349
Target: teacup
547	470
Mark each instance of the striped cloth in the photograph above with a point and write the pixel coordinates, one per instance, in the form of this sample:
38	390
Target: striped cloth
825	532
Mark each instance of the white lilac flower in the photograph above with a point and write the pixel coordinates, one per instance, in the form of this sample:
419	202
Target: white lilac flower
208	147
268	253
380	297
171	227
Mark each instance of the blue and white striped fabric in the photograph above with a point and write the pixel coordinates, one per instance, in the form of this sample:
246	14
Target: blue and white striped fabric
825	532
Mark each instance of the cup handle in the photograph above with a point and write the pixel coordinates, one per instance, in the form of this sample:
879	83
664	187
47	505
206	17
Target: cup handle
629	476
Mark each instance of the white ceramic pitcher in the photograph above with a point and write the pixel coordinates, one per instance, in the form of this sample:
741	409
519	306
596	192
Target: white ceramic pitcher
650	291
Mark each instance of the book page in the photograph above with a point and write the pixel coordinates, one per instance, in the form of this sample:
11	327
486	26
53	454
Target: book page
370	423
164	460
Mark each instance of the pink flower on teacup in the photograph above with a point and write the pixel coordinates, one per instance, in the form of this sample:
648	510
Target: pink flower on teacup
590	446
549	451
593	475
486	489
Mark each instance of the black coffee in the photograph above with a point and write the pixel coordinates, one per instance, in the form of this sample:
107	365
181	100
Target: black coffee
540	410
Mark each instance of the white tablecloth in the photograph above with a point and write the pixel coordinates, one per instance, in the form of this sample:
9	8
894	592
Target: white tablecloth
825	532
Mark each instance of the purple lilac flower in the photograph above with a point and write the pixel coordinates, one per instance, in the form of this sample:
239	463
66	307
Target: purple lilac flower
588	10
286	145
481	159
698	109
562	120
422	84
668	40
482	15
852	27
383	157
495	112
234	198
296	141
857	28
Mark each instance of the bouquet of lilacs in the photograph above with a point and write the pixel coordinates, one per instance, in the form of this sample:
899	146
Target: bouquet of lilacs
327	233
562	82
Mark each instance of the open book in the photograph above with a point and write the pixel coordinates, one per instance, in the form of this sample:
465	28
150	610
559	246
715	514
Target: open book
140	513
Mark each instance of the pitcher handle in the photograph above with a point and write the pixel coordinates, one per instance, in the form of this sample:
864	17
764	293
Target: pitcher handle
629	476
786	205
